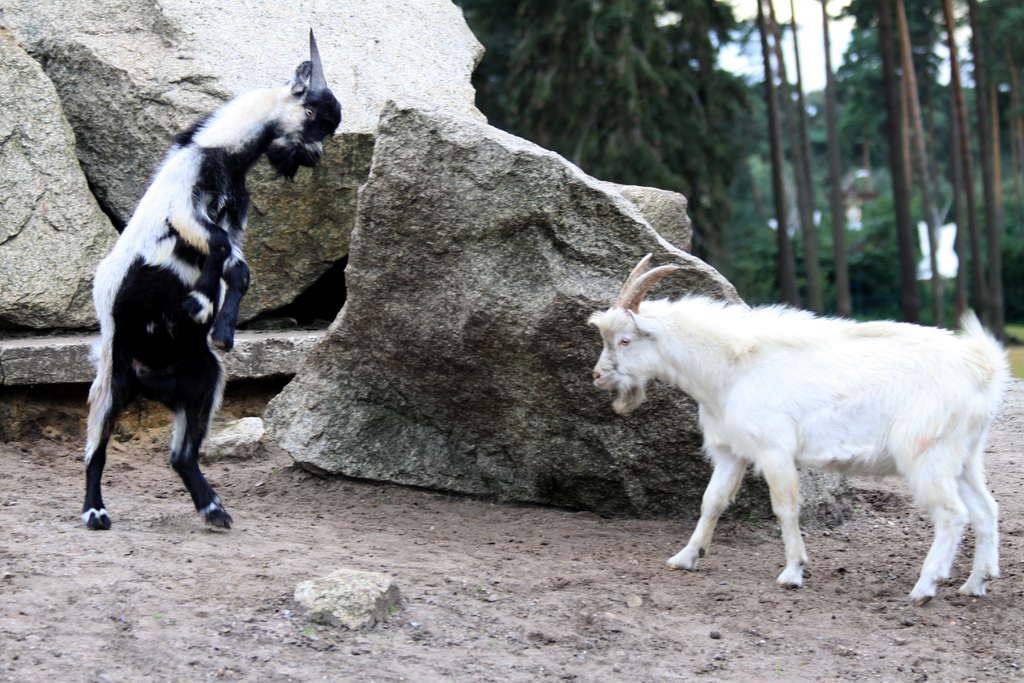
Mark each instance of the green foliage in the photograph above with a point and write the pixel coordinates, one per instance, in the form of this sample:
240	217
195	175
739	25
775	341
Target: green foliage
749	252
494	24
873	258
860	89
629	90
1013	278
1016	354
1004	24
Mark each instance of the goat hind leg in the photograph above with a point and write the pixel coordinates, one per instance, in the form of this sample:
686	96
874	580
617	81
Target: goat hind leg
984	514
200	384
107	397
189	431
94	513
949	514
725	481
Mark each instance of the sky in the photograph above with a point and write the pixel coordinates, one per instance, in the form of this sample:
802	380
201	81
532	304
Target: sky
812	41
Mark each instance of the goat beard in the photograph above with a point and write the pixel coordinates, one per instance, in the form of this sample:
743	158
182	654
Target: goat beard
287	156
628	398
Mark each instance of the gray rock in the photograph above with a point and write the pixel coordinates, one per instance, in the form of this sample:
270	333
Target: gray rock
664	210
238	439
462	358
348	598
29	361
50	360
297	230
268	354
131	73
52	232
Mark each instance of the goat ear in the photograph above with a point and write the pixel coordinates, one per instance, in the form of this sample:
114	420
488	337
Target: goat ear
643	326
634	318
299	84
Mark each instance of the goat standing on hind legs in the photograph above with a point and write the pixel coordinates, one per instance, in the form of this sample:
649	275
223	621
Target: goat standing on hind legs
170	289
778	389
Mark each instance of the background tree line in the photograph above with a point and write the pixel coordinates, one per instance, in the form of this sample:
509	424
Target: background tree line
812	198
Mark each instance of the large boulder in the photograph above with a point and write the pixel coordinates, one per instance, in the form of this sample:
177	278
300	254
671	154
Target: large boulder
663	209
462	357
52	231
131	73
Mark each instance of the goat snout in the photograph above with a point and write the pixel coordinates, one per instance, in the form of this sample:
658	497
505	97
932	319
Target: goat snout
601	380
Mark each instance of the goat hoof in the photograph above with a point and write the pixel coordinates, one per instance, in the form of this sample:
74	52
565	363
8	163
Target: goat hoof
921	596
975	586
96	519
972	591
686	559
224	342
199	307
791	578
219	518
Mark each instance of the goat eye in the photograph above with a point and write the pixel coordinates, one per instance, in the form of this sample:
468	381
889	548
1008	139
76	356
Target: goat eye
624	341
310	113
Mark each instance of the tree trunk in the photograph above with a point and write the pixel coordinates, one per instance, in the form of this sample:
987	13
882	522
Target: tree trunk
957	185
811	256
755	192
804	189
1016	143
925	181
910	296
997	156
844	306
931	139
908	158
787	266
993	230
974	236
865	154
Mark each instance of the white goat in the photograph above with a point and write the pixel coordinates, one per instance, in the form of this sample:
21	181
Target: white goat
779	389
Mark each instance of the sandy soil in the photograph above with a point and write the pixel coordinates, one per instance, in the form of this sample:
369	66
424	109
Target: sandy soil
490	592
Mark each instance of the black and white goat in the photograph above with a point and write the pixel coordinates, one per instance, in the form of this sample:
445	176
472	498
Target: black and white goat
779	389
169	291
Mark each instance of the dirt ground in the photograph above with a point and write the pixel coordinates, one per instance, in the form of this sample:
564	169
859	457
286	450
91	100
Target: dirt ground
490	592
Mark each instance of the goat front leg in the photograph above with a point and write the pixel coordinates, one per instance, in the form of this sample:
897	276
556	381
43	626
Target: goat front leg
784	486
721	491
236	277
202	302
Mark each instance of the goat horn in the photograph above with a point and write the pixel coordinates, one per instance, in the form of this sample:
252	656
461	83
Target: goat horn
317	80
624	295
637	285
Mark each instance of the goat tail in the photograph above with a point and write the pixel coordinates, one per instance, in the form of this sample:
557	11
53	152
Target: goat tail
100	393
992	365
